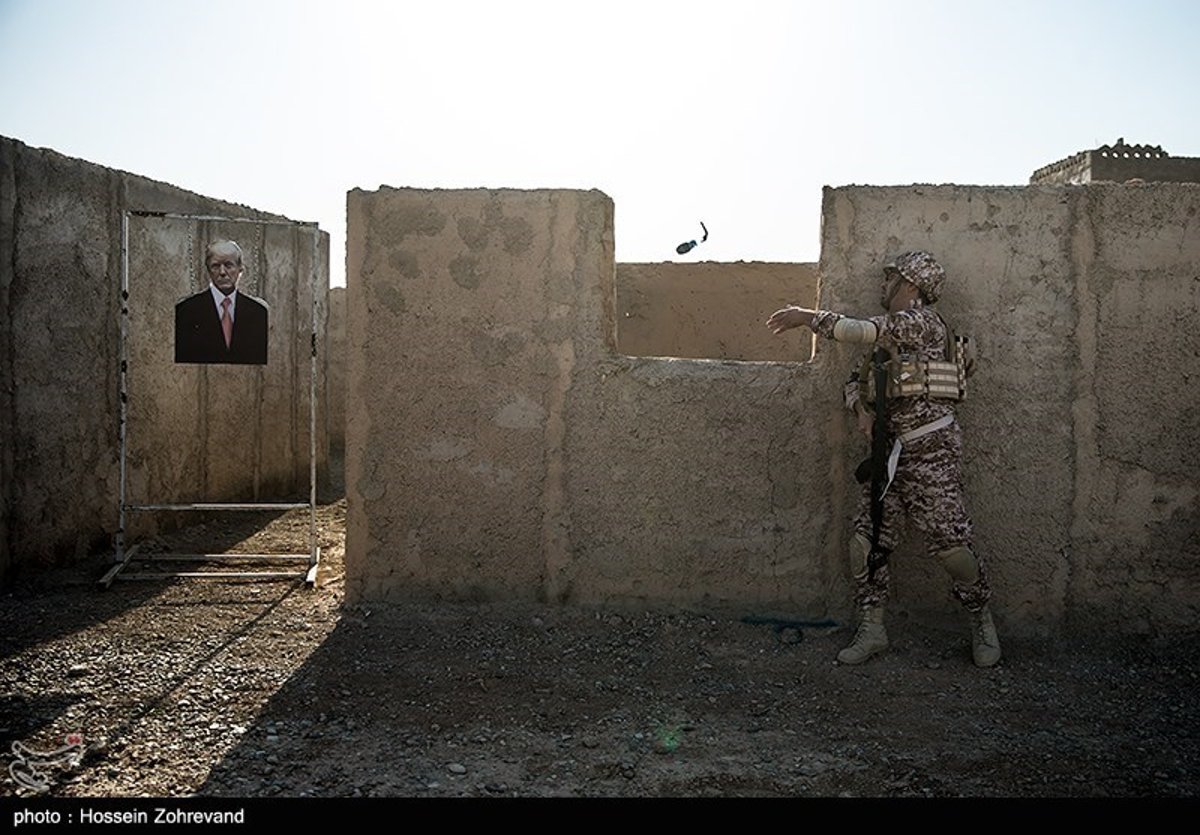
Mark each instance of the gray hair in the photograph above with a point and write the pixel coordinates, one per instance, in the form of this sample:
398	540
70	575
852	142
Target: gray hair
223	246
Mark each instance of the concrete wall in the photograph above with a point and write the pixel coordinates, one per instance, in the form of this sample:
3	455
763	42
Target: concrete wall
498	445
337	367
711	310
707	310
60	265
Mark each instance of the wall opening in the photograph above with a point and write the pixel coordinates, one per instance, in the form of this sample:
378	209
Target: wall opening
712	310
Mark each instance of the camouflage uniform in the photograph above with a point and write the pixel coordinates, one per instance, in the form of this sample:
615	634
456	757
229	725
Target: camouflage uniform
927	487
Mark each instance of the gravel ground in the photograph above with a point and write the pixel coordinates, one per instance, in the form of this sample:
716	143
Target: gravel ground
268	688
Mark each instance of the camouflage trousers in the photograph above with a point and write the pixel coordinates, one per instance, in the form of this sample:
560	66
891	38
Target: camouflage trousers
928	491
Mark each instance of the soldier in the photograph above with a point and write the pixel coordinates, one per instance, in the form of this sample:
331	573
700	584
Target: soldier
925	377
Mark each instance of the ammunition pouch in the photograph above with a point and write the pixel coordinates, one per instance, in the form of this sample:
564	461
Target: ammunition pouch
937	379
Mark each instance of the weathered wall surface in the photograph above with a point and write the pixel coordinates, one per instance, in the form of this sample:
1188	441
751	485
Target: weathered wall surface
498	445
60	266
1080	442
196	432
1135	536
693	481
711	310
337	367
707	310
465	308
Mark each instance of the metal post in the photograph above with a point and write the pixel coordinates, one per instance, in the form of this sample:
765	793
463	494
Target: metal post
312	413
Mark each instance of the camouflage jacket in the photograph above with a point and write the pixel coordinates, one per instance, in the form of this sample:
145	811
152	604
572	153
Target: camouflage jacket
918	332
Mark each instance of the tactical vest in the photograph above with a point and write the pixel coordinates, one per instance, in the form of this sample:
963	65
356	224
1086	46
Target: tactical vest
910	377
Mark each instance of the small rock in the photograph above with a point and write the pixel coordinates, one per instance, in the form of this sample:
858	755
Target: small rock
77	670
666	745
457	768
790	635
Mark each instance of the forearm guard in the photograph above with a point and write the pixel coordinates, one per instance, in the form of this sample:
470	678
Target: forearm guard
861	331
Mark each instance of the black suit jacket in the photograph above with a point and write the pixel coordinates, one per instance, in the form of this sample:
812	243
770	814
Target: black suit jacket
198	335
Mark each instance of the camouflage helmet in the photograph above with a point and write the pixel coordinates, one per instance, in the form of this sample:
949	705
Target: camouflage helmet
921	269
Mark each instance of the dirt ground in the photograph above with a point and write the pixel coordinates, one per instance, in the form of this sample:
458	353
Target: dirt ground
271	689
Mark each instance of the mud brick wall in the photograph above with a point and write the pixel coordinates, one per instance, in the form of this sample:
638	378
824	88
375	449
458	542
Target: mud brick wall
60	263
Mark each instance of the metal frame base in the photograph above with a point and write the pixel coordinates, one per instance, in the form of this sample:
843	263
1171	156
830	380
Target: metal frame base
308	572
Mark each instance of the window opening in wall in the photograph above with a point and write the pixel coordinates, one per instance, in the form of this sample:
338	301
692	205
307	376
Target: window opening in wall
710	310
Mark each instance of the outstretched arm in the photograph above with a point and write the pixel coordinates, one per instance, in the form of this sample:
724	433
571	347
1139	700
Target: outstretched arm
824	323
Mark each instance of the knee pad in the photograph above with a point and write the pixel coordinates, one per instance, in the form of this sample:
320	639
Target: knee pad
960	564
860	549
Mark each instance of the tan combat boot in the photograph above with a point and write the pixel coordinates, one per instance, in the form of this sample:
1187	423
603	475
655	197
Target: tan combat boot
870	639
985	643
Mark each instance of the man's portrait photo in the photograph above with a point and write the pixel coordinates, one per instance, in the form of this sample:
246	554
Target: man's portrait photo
220	324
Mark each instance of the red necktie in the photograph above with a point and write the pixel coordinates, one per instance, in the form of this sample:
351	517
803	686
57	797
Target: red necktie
226	322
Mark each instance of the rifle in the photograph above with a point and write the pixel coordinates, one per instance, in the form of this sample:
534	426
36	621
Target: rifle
878	556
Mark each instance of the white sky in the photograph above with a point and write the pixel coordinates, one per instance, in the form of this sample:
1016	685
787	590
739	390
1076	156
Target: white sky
734	113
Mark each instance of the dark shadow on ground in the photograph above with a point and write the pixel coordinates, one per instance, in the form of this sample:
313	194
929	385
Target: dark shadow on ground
499	700
26	716
61	601
40	606
50	604
133	670
45	605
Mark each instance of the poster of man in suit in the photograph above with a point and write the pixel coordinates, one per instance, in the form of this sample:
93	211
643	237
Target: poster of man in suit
220	324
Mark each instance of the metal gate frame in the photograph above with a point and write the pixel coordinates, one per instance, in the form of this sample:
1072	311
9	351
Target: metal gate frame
121	556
